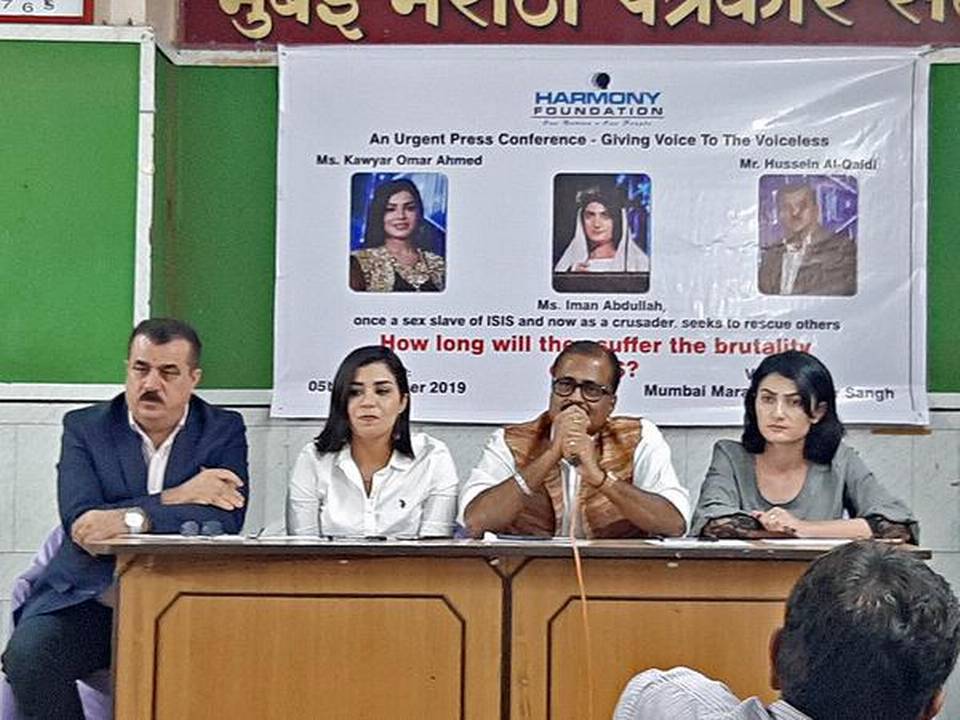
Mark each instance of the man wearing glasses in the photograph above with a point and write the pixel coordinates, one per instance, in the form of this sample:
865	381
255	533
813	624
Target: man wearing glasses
576	470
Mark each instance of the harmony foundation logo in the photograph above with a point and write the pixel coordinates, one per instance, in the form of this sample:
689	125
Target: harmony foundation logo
599	102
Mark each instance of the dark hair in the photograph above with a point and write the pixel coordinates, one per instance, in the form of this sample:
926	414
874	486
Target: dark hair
795	188
611	199
162	330
870	632
590	348
374	236
336	431
815	386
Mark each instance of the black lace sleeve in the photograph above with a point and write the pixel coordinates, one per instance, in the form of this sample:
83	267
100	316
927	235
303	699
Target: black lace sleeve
889	530
731	526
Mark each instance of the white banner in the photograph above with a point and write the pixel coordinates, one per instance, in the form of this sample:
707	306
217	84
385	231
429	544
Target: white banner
696	209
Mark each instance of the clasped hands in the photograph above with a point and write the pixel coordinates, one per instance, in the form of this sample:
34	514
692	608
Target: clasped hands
779	521
211	486
572	442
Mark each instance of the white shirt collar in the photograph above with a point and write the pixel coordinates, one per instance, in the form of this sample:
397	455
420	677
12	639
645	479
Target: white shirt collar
146	438
397	461
804	244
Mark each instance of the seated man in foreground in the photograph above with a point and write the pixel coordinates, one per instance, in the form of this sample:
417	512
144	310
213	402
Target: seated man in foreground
611	477
870	632
151	459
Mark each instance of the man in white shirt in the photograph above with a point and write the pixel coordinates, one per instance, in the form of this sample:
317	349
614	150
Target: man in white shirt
152	458
809	259
870	632
575	469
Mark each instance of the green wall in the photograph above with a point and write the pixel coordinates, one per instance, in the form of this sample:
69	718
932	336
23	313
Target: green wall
943	258
215	214
68	158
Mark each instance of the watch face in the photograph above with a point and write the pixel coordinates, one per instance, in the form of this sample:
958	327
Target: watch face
134	521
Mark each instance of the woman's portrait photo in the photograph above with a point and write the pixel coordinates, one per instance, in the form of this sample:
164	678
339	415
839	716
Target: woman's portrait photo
601	233
398	232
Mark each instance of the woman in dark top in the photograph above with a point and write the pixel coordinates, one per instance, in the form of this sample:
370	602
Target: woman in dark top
393	258
791	476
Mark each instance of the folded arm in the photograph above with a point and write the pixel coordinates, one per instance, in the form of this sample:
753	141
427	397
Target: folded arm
215	493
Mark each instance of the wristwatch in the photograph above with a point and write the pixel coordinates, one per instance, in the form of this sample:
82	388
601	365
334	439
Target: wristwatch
135	520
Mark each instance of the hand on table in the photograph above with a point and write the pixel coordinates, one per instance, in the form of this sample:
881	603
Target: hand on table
96	525
778	520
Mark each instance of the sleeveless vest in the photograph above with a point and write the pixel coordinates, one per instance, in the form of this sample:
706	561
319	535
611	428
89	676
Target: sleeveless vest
542	513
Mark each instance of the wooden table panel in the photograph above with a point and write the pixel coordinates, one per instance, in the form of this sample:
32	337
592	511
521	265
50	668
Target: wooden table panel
333	638
379	657
713	616
468	630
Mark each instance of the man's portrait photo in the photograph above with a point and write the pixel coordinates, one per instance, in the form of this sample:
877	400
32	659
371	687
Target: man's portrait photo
398	229
601	240
808	234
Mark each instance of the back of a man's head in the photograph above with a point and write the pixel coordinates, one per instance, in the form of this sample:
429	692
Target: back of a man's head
870	632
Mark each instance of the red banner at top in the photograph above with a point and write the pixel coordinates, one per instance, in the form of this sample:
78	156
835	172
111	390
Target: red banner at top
257	23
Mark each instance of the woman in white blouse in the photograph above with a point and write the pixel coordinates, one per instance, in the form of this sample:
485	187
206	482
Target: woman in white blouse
365	475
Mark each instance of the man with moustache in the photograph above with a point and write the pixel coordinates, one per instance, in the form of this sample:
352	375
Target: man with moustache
809	259
575	468
149	460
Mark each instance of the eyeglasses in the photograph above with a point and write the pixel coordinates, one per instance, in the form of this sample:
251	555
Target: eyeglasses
589	390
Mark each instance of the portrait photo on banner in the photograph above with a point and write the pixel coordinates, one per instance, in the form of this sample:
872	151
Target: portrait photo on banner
398	232
808	235
601	233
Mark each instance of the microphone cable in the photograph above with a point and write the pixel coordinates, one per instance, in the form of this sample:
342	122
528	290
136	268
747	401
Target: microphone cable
584	615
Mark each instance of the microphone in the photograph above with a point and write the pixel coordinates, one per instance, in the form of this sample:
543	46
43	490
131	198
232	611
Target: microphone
575	460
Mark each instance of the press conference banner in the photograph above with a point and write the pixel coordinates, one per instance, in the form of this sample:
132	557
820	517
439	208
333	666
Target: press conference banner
694	209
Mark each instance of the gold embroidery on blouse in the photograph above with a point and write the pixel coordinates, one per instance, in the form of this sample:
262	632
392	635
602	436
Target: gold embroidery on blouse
380	269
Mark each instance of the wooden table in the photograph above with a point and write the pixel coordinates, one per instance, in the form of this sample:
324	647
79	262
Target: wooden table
466	630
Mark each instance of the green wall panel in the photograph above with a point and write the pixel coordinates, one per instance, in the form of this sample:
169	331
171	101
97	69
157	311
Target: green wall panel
213	256
68	157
